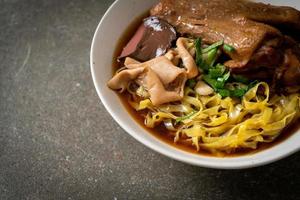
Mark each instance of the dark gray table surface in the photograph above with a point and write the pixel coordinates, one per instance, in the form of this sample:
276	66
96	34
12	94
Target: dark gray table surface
58	142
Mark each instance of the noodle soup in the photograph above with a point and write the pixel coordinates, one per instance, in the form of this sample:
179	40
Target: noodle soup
207	107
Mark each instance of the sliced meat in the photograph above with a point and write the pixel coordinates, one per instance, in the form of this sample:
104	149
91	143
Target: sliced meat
291	71
267	57
220	9
152	39
216	20
287	17
261	49
262	74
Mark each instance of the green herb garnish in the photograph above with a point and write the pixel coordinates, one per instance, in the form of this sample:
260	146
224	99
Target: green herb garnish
224	92
211	57
232	92
228	48
217	76
213	46
218	71
191	83
224	78
218	83
198	51
180	119
252	84
238	92
212	82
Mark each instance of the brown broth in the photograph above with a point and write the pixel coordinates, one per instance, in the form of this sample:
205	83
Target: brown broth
161	132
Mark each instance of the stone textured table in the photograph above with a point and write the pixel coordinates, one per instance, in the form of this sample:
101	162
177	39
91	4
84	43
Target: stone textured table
58	142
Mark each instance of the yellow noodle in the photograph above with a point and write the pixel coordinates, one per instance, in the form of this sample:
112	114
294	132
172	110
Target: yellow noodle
217	124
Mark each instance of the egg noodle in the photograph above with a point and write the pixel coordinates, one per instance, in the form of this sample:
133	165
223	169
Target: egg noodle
216	124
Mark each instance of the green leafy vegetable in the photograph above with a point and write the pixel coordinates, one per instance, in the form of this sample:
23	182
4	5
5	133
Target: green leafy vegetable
213	46
224	92
252	84
228	48
205	58
211	57
191	83
180	119
214	83
217	76
232	92
216	72
198	51
224	78
238	92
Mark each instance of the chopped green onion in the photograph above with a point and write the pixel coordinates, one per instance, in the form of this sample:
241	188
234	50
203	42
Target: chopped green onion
211	82
180	119
213	46
224	78
232	93
217	76
252	84
198	51
215	84
217	72
191	83
224	93
200	61
238	92
228	48
211	57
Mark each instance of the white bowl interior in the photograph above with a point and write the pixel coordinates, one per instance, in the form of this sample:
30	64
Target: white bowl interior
110	29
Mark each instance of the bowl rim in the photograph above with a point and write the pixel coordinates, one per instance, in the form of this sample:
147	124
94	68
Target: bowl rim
213	163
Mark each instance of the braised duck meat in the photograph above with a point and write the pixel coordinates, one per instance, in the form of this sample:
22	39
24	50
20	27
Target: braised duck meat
251	28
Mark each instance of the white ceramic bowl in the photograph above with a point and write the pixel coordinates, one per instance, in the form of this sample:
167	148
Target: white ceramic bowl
108	32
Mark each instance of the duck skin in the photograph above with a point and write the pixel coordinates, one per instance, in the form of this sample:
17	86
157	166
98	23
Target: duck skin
251	28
